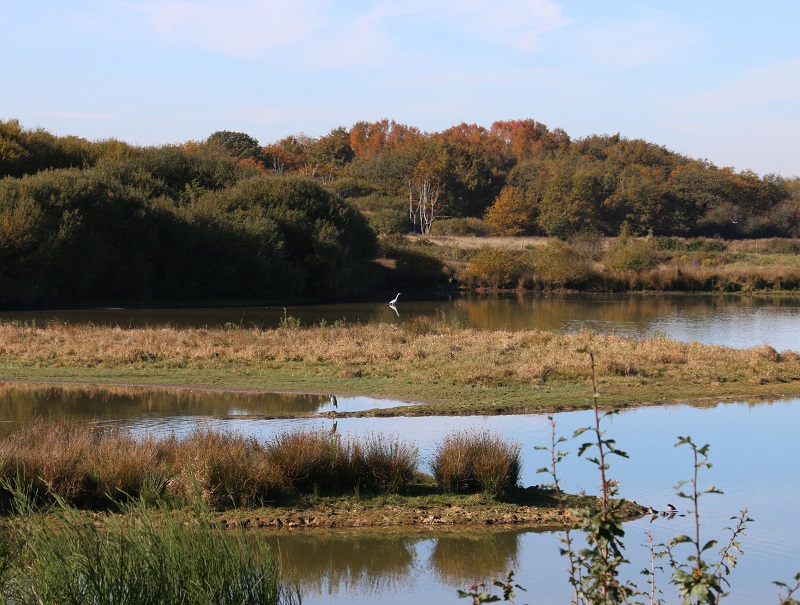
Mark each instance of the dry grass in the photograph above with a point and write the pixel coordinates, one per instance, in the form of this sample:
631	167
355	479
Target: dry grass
89	467
472	242
425	359
768	274
468	462
461	354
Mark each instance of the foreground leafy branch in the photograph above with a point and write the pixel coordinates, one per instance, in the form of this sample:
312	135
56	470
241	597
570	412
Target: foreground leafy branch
593	572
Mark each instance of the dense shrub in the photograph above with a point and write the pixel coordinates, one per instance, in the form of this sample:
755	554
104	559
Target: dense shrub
390	220
558	264
348	187
417	268
499	267
113	233
634	254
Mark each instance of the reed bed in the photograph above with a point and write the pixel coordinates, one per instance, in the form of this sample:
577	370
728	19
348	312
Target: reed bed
94	468
145	557
700	277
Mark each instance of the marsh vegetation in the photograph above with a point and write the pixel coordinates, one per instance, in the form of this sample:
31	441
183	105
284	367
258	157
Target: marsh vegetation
454	370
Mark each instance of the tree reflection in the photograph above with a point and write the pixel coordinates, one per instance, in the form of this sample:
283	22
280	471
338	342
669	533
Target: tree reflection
23	402
346	561
463	558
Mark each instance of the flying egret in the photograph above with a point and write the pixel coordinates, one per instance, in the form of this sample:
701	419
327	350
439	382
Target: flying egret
334	402
395	298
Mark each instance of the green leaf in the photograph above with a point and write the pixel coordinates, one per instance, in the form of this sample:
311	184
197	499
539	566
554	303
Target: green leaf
709	544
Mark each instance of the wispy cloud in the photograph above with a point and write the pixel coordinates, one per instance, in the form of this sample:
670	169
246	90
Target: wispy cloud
515	23
328	31
754	89
648	38
241	28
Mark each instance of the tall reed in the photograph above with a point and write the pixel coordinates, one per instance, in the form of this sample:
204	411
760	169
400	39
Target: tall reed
140	558
91	467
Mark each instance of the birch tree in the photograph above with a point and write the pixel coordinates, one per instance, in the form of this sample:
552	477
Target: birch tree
424	191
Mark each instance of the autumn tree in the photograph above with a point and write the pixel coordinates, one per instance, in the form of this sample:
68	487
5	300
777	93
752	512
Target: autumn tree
237	144
331	153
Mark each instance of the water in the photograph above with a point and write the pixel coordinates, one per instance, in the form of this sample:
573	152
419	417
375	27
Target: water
752	446
752	451
731	320
161	410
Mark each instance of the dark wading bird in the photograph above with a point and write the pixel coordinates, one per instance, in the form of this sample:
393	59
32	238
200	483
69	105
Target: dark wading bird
391	302
333	401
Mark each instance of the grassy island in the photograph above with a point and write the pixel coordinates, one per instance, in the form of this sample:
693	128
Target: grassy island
449	369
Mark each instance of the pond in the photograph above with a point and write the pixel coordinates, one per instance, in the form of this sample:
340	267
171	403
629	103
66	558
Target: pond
730	320
752	451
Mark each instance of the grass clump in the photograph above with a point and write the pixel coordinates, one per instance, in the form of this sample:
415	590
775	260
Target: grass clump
310	462
227	469
306	460
383	465
476	462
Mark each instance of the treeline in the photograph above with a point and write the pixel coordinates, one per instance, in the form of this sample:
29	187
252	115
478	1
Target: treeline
228	218
522	178
106	221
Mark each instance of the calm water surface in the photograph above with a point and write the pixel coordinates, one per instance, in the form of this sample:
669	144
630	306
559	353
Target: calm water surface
752	451
737	321
160	410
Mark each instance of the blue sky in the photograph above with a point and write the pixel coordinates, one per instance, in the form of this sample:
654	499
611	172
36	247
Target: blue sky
709	79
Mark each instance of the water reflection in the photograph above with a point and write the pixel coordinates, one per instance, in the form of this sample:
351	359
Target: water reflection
132	406
368	563
731	320
481	554
371	562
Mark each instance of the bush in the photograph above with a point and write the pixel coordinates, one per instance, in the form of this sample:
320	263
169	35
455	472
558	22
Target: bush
390	220
701	244
483	462
498	267
139	231
417	268
347	187
558	264
633	255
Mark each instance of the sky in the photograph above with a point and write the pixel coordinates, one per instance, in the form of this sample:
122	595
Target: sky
710	79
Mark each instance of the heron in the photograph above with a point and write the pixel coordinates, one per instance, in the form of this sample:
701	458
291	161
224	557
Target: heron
391	302
333	401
